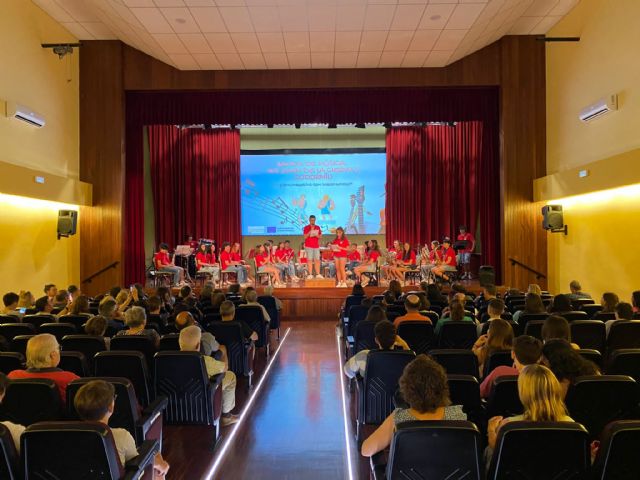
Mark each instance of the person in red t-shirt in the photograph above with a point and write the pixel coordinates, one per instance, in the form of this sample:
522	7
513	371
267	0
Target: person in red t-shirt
339	246
164	264
464	256
353	258
282	260
264	265
206	260
236	256
43	358
447	260
312	234
370	263
228	264
429	259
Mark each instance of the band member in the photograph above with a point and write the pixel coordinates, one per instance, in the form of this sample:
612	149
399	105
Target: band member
236	256
164	264
370	263
327	260
265	265
340	245
228	264
447	260
429	259
353	257
192	243
312	234
206	260
464	256
396	249
283	264
390	267
302	266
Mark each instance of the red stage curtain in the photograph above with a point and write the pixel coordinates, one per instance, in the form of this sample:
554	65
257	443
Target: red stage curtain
440	177
195	178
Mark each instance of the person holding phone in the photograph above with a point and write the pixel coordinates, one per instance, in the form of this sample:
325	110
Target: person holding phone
312	234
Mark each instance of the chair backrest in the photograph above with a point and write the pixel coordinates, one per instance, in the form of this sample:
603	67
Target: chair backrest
10	361
592	355
253	316
37	320
457	361
465	390
269	303
418	335
8	455
457	335
46	447
137	343
589	334
540	450
503	398
11	330
170	341
19	343
604	316
621	335
617	457
574	315
534	329
9	319
350	301
590	309
77	320
578	303
89	345
516	327
58	330
625	361
229	334
597	400
525	318
126	364
380	383
182	378
364	338
453	451
497	359
31	400
74	362
357	313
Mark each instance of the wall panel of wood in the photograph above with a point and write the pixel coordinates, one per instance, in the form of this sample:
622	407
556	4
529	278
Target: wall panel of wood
516	64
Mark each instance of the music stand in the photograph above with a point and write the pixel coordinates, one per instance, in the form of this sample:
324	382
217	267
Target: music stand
184	252
461	245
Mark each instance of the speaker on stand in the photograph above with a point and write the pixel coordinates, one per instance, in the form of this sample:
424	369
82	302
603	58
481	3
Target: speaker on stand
553	219
67	223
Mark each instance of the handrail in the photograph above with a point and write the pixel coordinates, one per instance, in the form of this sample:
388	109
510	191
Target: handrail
108	267
528	268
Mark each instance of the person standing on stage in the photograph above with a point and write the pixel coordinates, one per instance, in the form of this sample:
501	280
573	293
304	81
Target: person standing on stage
228	264
464	256
312	234
340	245
164	264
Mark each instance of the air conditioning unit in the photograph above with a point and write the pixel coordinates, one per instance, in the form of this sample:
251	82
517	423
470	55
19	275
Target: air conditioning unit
601	107
25	114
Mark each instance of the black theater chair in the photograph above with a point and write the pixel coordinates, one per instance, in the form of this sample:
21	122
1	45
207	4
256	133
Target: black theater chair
621	335
12	330
457	335
89	345
77	321
604	316
357	313
9	319
454	452
58	330
349	302
269	303
596	400
38	320
378	387
418	335
540	450
364	338
578	303
503	399
534	329
591	309
497	359
136	343
457	361
240	352
31	400
19	344
127	364
252	315
617	457
625	361
74	362
10	361
465	390
529	317
592	355
46	448
9	458
194	399
143	424
170	342
591	334
575	315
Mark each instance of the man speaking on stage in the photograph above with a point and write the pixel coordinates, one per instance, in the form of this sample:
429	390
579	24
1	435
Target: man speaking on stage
312	234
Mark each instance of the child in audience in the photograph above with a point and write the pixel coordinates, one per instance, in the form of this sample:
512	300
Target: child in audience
95	402
499	337
555	327
98	326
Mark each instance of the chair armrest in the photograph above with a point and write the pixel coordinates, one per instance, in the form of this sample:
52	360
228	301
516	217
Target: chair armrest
216	381
149	425
146	454
378	463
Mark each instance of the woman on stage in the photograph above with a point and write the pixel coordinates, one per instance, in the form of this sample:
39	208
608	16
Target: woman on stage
265	265
340	245
228	264
283	264
236	256
429	259
370	263
206	261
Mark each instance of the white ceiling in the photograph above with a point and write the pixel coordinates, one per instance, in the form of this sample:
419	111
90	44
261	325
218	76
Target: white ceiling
300	34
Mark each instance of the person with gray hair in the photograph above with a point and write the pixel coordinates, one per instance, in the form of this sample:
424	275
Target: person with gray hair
190	342
43	358
136	320
268	292
251	297
576	291
208	343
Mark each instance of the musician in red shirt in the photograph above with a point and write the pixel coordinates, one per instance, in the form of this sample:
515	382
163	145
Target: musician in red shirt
312	234
447	260
163	263
283	262
464	255
429	259
353	258
301	266
370	263
236	256
264	265
339	246
206	260
228	264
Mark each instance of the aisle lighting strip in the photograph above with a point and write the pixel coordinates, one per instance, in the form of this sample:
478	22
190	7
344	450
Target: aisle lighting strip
347	440
229	440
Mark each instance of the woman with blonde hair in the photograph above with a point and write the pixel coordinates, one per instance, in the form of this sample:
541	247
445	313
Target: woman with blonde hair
26	299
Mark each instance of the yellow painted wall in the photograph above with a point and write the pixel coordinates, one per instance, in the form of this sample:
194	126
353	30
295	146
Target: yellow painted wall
601	248
30	254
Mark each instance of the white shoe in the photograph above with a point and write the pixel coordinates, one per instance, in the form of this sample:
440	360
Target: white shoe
310	277
342	285
295	279
319	276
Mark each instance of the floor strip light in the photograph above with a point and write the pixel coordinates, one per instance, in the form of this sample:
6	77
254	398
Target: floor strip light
229	440
347	439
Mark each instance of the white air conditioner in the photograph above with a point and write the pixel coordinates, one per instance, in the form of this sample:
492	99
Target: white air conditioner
25	114
601	107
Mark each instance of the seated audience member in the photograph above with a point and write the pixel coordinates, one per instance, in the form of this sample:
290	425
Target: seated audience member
108	310
14	429
136	319
233	290
395	287
61	300
499	337
495	309
624	312
448	262
114	291
251	297
43	307
50	291
557	327
228	313
376	314
164	294
542	399
576	291
434	294
532	305
268	292
124	299
412	305
216	300
609	302
635	301
74	292
534	288
190	342
488	293
80	306
423	385
457	297
154	304
10	301
98	326
560	304
95	402
386	339
26	299
527	350
456	314
208	342
566	363
43	357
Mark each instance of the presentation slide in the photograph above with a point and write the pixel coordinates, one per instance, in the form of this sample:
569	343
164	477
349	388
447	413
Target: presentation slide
280	190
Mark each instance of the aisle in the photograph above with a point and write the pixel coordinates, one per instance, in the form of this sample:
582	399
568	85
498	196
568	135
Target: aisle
296	428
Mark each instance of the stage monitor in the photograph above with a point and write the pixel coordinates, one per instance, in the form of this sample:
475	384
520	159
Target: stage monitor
341	187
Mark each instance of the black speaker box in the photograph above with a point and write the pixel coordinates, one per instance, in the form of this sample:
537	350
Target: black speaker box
553	219
67	222
486	275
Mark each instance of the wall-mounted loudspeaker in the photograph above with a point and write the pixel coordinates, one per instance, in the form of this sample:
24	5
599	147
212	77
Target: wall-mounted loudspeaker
67	222
553	219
